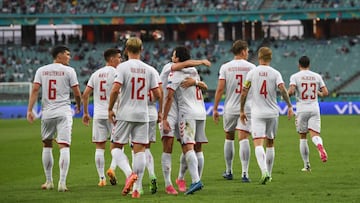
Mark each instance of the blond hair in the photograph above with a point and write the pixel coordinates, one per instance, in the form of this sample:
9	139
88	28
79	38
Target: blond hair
265	54
134	45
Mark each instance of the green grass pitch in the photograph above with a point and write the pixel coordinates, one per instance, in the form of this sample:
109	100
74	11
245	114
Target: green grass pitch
337	180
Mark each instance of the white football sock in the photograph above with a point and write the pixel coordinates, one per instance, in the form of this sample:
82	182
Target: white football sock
270	157
192	164
121	161
100	162
304	152
139	168
150	163
317	140
229	150
48	163
182	167
113	164
260	158
200	158
64	163
244	154
166	168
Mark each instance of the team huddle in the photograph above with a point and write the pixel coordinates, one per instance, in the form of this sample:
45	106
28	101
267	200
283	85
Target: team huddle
131	98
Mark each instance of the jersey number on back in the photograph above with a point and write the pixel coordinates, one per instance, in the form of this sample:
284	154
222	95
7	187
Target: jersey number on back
137	93
240	79
102	90
307	86
263	90
198	93
52	90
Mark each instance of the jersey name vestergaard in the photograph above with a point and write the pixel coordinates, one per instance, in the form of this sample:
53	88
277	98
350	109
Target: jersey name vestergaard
190	100
307	85
137	79
56	81
264	82
164	79
101	82
234	73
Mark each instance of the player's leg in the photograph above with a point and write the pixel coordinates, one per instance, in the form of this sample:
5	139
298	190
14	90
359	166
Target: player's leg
180	181
244	154
100	162
200	158
150	158
48	163
200	139
258	134
301	123
314	129
100	131
120	137
48	131
270	155
167	142
63	139
188	128
244	147
139	138
229	122
304	152
271	130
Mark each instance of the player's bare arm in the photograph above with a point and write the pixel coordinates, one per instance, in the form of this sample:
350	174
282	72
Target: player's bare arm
190	63
85	98
285	95
167	107
291	90
32	99
113	97
218	94
188	82
243	98
77	96
323	92
158	93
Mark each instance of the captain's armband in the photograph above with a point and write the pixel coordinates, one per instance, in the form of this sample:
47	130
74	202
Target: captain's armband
247	84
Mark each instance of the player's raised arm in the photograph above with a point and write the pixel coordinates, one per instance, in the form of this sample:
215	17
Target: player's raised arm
190	63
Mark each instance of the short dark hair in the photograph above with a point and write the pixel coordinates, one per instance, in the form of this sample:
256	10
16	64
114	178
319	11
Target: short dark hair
304	61
182	53
238	46
59	49
110	53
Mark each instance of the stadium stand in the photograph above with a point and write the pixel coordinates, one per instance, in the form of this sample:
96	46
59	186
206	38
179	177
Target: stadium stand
336	58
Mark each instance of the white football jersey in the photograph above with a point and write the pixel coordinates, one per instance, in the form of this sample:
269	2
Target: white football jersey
101	82
56	81
190	100
234	73
307	83
153	112
137	79
164	80
264	83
